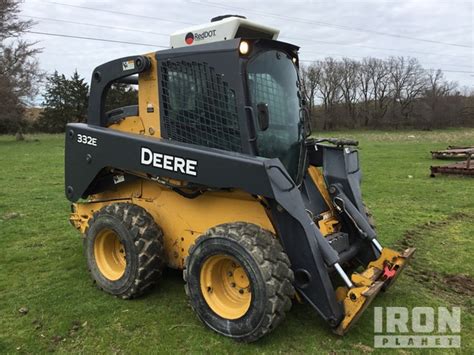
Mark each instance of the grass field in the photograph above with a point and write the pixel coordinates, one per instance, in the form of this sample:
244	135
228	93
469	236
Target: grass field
43	269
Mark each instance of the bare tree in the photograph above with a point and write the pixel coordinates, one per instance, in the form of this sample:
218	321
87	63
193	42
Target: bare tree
466	116
365	91
437	88
349	87
329	89
379	75
408	79
309	78
19	72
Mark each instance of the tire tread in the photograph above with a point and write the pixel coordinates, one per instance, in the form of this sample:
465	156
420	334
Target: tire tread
148	239
274	266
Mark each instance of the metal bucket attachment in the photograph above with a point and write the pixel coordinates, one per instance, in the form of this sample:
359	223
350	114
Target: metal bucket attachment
379	275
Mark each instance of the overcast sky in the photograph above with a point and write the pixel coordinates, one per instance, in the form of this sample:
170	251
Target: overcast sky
439	33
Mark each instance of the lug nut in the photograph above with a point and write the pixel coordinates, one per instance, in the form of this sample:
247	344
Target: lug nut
241	291
232	284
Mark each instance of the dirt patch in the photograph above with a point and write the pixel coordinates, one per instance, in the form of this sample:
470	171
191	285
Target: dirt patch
363	348
438	282
462	284
55	341
35	245
458	283
37	324
12	215
411	235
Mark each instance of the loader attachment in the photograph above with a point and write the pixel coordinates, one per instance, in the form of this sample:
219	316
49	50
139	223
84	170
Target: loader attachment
379	275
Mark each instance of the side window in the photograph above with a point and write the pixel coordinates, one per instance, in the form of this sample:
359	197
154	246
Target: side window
121	101
198	106
264	88
273	80
121	95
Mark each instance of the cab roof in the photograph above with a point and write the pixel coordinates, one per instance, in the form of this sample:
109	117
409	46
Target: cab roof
222	28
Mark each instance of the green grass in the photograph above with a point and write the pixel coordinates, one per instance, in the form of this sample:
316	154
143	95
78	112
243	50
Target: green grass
43	269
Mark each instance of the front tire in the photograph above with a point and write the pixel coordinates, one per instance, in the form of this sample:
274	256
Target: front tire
124	250
239	281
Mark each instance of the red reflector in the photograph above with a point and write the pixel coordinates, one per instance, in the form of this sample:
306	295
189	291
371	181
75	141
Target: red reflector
388	273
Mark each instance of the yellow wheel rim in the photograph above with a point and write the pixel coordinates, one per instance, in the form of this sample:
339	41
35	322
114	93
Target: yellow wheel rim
109	255
225	286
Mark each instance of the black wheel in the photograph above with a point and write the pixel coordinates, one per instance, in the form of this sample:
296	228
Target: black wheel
239	281
124	250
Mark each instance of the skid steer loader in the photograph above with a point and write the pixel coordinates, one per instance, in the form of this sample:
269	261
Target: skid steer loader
214	172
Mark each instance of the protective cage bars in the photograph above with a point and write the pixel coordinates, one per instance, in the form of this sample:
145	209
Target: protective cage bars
199	106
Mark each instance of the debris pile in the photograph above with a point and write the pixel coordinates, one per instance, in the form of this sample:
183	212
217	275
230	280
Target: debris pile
464	167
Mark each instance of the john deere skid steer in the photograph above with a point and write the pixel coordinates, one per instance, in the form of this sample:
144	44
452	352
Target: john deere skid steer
214	172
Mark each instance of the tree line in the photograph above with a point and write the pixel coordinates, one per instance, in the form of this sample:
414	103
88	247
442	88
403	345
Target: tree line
65	100
371	93
383	93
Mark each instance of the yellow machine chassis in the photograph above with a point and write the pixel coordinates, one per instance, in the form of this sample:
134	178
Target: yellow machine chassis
182	219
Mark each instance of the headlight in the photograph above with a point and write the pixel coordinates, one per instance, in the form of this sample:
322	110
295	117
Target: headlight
244	48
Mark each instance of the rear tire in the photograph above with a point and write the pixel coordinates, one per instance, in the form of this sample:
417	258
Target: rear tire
239	281
124	250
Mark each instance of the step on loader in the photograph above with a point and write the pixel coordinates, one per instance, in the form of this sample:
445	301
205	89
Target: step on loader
215	172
